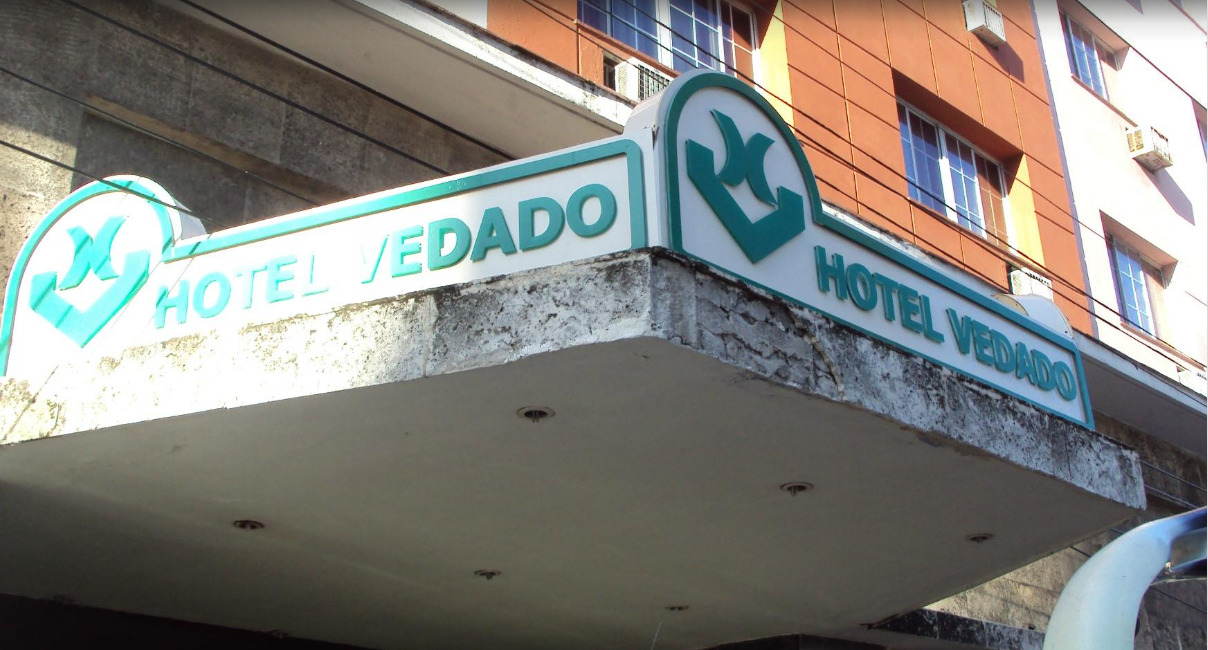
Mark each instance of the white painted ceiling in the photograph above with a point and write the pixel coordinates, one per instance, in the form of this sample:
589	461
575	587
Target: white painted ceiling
656	484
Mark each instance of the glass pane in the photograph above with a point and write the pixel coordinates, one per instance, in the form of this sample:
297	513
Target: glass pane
964	184
684	54
932	184
1084	60
920	148
989	180
1106	65
706	42
632	22
622	29
743	30
594	13
736	41
1131	282
1085	54
907	152
744	63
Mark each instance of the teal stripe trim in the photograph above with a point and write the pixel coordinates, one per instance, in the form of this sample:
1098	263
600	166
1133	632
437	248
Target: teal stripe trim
339	212
401	198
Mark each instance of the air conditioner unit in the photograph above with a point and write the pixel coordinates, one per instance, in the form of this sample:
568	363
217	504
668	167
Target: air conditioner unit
1025	282
984	19
638	81
1148	147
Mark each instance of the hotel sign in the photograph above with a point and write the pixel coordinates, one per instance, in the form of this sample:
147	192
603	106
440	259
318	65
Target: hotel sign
707	169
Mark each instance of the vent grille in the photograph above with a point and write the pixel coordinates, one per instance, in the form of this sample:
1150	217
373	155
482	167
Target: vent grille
638	81
985	20
1149	147
1025	282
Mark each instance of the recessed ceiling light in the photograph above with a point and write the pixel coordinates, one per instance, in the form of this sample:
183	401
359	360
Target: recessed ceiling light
247	524
797	487
535	413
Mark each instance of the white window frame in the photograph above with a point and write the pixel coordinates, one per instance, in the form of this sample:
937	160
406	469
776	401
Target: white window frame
1145	299
1068	25
666	53
949	198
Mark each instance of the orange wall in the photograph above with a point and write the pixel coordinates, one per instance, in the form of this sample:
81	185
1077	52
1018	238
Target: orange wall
539	27
849	62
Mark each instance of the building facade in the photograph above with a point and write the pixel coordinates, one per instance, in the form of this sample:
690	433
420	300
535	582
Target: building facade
378	502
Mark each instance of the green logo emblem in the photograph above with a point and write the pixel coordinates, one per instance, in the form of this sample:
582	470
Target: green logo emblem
745	162
92	255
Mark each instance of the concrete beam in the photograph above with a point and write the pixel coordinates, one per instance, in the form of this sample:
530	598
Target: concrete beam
651	293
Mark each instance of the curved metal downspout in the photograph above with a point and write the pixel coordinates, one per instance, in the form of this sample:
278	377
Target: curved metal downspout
1098	608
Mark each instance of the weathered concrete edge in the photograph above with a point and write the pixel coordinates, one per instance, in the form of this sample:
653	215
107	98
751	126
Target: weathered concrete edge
647	293
745	327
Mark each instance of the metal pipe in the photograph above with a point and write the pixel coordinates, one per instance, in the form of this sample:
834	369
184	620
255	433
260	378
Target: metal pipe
1098	608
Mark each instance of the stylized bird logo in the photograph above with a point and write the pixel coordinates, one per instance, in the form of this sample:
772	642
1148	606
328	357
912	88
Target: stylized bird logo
745	162
92	255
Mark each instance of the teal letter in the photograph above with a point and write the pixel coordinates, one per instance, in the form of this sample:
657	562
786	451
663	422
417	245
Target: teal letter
311	286
377	261
826	273
1023	363
983	345
199	295
859	283
961	330
909	305
276	276
250	274
1044	371
1065	381
1004	360
574	210
528	212
437	230
401	250
164	302
888	288
493	232
928	328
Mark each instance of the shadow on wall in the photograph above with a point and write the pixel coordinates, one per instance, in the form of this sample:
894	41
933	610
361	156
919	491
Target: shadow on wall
1010	61
1179	202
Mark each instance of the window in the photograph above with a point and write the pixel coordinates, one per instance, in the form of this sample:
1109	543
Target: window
633	22
681	34
722	36
1090	59
949	176
1139	285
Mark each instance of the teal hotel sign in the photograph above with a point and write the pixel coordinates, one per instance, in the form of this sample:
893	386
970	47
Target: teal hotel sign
707	169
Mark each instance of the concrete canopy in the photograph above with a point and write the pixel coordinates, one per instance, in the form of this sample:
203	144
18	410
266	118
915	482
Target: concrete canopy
438	65
381	447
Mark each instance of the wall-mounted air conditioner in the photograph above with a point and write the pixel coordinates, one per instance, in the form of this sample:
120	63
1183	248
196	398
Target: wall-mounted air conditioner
984	19
637	80
1148	147
1025	282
